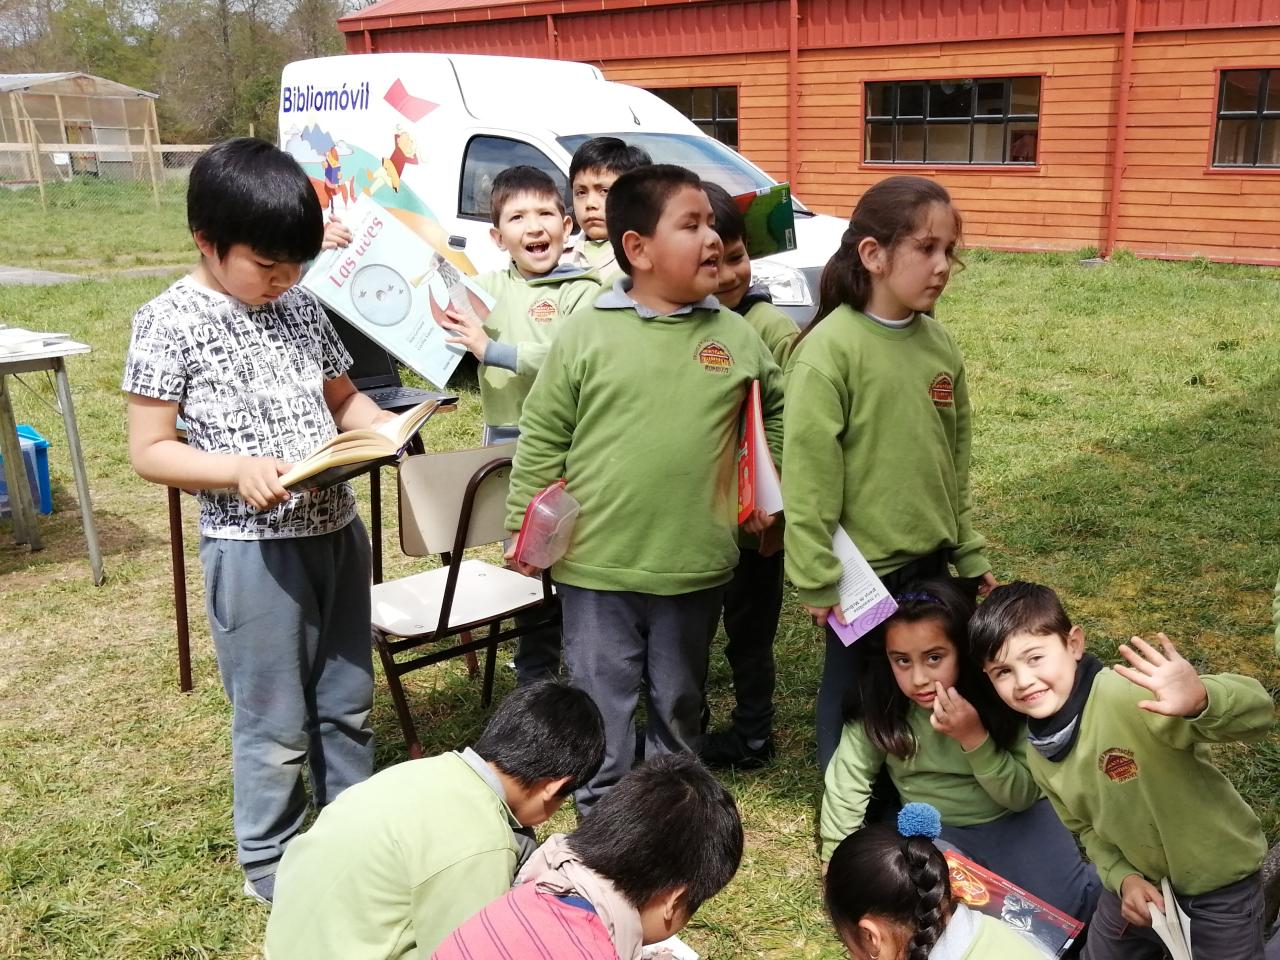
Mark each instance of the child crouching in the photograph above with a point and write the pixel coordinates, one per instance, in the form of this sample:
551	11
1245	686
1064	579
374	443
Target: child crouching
663	841
1122	754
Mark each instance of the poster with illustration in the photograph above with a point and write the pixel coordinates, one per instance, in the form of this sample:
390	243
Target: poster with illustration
366	133
394	289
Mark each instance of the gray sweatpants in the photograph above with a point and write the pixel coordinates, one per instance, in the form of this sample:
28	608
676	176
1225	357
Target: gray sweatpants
290	625
1226	924
1031	848
617	644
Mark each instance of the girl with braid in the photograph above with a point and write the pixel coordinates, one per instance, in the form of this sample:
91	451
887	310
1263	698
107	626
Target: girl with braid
889	897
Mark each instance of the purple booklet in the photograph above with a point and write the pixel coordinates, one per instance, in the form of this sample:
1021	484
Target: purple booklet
864	601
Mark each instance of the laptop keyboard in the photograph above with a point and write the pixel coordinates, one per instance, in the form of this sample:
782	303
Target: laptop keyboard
386	395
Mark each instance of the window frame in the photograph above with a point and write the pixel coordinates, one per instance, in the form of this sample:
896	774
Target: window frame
1215	115
952	166
659	89
462	171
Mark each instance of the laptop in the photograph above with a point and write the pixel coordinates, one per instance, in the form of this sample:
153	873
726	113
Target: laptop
375	373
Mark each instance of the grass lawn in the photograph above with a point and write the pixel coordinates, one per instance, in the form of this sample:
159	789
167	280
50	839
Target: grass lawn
1128	431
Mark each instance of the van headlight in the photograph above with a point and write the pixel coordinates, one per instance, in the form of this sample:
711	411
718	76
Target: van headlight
786	285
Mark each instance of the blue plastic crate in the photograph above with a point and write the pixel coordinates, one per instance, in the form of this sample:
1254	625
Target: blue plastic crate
35	456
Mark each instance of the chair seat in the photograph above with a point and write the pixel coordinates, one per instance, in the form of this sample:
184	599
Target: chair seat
410	606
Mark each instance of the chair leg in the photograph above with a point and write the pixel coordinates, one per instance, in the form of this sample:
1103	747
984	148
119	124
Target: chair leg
391	669
490	662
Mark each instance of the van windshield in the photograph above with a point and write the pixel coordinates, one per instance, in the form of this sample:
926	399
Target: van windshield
709	159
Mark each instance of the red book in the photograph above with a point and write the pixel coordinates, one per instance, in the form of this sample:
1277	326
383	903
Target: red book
990	894
758	484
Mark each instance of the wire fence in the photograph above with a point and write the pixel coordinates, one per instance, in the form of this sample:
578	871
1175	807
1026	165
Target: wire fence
74	208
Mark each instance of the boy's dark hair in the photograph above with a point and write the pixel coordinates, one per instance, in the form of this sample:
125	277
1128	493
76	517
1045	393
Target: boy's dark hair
1017	607
609	154
667	823
637	199
249	191
545	731
878	872
887	212
522	179
878	703
729	221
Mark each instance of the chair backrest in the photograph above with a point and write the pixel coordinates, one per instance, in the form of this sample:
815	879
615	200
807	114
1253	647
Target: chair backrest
432	488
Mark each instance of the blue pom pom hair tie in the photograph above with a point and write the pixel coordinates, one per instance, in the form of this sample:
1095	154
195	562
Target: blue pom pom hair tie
920	820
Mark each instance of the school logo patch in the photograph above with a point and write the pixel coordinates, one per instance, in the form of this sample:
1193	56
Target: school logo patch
544	311
942	391
714	356
1118	765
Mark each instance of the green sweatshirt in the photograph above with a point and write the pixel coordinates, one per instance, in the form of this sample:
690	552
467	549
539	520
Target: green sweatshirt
776	329
640	414
1143	794
966	787
525	319
596	256
392	866
878	430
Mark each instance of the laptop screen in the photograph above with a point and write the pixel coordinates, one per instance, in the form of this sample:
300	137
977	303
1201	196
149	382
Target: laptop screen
371	366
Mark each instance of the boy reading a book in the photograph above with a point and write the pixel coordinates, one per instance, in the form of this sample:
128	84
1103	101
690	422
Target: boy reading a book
666	839
638	406
1123	755
594	167
753	600
393	866
254	367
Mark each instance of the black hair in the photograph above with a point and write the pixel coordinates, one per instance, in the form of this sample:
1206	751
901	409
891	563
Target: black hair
1017	607
877	872
887	212
667	823
522	179
878	703
545	731
730	223
637	199
249	191
609	154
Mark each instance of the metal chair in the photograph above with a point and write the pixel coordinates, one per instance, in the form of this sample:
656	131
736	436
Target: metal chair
450	502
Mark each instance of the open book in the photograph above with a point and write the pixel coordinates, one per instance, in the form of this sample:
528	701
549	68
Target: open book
359	451
1171	925
991	894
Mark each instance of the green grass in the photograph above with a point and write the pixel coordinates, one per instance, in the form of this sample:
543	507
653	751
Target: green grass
93	227
1128	427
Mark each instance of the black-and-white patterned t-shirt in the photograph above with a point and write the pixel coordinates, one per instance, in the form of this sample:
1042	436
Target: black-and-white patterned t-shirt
247	381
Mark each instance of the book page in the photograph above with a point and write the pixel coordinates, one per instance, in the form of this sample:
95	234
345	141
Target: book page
672	948
1171	925
768	488
864	601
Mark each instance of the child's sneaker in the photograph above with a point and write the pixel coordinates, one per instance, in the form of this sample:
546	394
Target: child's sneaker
263	889
727	748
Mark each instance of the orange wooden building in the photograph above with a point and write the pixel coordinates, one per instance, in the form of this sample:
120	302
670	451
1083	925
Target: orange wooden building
1148	125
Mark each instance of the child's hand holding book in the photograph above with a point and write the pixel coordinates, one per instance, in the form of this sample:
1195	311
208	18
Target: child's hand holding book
257	480
468	331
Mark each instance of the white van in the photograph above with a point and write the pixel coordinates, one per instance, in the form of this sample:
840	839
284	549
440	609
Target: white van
426	133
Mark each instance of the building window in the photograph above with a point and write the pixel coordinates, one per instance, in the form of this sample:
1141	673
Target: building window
713	109
989	121
1248	133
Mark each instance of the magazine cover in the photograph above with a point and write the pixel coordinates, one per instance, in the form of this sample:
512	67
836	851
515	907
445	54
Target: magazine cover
770	220
393	287
990	894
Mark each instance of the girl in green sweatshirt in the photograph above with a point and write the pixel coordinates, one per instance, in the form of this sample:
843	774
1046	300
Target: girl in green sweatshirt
877	420
924	710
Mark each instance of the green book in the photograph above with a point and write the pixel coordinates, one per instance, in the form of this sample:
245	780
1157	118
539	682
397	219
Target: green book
770	218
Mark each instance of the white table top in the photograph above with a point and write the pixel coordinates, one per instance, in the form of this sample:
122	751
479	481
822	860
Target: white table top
48	351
